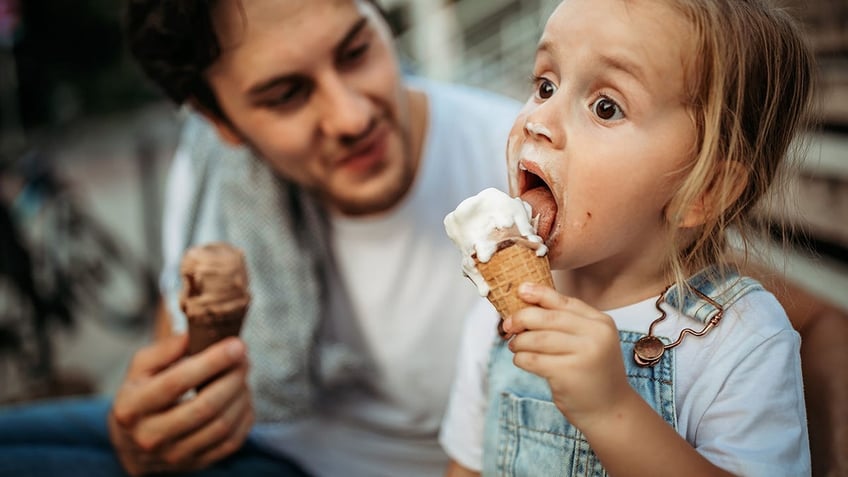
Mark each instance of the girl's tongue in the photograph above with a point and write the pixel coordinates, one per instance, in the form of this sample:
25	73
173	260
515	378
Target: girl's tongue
544	207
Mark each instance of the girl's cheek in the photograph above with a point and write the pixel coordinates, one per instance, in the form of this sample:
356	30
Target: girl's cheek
513	146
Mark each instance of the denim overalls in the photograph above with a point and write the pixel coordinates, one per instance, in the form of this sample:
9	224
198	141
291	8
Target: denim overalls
525	433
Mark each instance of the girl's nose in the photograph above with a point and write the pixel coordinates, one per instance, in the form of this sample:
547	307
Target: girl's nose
545	125
537	129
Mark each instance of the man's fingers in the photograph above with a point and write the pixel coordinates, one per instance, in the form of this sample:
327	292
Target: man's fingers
188	416
190	373
213	432
232	443
145	363
165	388
157	356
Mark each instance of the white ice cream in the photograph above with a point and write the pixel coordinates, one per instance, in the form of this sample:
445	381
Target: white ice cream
481	222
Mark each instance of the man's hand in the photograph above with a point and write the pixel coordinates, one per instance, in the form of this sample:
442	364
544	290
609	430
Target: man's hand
153	430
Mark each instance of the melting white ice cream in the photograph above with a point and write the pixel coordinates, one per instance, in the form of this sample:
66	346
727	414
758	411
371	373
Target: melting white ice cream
481	222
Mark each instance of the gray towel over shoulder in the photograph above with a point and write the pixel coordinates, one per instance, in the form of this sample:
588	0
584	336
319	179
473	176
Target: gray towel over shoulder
283	233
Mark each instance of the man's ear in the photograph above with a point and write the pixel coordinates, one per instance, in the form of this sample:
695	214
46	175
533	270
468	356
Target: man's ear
225	130
722	192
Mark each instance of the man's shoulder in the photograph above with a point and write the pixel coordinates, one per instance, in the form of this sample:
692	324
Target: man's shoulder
201	145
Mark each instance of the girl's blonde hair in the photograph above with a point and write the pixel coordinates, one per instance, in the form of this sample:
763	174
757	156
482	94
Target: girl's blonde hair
750	82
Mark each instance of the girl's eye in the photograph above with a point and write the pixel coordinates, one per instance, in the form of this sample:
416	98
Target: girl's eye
545	88
606	109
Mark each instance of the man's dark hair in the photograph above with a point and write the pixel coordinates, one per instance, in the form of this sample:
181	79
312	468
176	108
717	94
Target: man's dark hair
174	41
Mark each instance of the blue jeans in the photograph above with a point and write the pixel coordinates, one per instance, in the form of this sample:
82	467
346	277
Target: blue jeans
70	438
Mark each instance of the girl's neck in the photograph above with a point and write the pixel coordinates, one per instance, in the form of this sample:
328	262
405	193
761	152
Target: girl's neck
607	291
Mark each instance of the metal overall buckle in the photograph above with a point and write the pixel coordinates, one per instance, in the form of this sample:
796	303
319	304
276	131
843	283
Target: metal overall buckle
649	349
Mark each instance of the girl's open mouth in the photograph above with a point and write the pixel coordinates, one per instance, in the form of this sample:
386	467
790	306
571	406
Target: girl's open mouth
534	190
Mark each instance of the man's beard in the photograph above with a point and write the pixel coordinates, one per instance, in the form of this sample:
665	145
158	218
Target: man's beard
392	192
353	206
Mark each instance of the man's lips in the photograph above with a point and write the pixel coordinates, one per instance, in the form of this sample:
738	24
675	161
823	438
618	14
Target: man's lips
368	153
534	190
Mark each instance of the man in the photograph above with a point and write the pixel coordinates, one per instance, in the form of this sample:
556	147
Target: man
357	295
314	89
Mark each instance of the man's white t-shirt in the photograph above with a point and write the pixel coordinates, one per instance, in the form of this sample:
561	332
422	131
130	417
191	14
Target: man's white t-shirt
404	280
738	391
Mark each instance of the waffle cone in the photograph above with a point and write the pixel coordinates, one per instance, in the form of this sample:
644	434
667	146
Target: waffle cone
508	268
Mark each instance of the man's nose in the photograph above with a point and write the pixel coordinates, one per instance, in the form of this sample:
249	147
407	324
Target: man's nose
346	111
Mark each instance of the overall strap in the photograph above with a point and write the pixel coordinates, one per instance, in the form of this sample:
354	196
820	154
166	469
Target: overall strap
723	286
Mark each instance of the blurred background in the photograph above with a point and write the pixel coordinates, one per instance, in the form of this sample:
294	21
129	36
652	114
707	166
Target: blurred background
85	143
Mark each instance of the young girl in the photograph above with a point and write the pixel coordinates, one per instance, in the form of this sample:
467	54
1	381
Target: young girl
655	125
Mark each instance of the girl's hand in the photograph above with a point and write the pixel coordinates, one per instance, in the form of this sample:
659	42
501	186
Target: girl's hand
575	348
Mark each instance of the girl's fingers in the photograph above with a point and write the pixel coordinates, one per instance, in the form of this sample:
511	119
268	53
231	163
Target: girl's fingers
540	364
544	341
549	310
536	318
548	298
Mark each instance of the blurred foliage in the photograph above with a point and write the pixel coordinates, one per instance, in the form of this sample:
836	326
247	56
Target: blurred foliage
72	61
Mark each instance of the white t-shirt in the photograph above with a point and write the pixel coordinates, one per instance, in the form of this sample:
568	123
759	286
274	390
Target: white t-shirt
404	280
738	391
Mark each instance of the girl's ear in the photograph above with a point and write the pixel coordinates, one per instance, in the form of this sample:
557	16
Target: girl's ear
722	192
225	130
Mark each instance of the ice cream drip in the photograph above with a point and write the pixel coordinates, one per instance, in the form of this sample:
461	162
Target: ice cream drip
486	223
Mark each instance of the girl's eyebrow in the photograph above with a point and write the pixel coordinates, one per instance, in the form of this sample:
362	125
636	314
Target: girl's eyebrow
545	46
630	68
615	62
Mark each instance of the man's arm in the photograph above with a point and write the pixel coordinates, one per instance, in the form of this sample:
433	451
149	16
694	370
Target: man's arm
824	358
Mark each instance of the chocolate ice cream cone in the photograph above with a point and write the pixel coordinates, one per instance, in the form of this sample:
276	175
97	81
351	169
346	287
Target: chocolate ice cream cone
214	297
204	331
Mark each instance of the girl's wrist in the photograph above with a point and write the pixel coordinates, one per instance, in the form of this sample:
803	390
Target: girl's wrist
614	418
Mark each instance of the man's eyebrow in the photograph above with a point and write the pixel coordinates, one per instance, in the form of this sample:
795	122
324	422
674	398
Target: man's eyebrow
270	83
351	34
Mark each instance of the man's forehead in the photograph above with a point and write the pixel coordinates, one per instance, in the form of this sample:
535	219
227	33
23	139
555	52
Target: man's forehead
234	19
264	41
